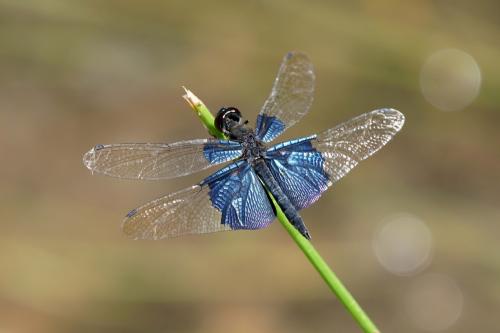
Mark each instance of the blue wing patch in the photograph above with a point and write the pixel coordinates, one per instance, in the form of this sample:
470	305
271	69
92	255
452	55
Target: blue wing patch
237	193
222	151
299	170
268	128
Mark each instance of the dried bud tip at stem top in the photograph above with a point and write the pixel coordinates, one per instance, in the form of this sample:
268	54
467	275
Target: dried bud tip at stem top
191	98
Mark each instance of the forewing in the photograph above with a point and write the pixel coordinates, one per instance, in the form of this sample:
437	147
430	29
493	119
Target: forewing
306	167
290	98
230	199
158	160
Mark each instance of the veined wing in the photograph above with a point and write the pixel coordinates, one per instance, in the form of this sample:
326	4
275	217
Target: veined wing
230	199
290	98
306	167
299	170
159	160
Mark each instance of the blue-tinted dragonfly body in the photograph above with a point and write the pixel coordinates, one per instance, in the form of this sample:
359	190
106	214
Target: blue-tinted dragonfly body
256	157
295	172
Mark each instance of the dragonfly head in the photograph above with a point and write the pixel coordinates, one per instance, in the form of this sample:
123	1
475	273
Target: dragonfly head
229	121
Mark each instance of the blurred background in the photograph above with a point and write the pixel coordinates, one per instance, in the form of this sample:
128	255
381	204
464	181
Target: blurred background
413	232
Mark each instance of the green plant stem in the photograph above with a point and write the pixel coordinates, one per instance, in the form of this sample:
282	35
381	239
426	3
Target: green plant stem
336	286
310	252
206	117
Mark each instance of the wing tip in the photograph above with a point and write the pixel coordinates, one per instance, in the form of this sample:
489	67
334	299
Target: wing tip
131	213
295	54
396	117
89	158
129	228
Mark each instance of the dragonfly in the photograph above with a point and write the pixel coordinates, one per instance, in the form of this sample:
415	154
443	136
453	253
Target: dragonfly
238	196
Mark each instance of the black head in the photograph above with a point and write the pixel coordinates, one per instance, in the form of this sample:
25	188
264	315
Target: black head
228	119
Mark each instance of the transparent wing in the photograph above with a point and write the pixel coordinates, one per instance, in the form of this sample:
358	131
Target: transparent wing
230	199
185	212
158	160
344	146
306	167
290	98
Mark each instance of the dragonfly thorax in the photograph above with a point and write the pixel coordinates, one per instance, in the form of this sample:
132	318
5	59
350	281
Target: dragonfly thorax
230	122
253	148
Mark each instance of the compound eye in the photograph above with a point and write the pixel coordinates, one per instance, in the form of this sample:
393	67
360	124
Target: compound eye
234	116
226	117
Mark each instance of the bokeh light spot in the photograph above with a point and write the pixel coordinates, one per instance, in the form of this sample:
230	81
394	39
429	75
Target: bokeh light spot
450	79
403	244
434	302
